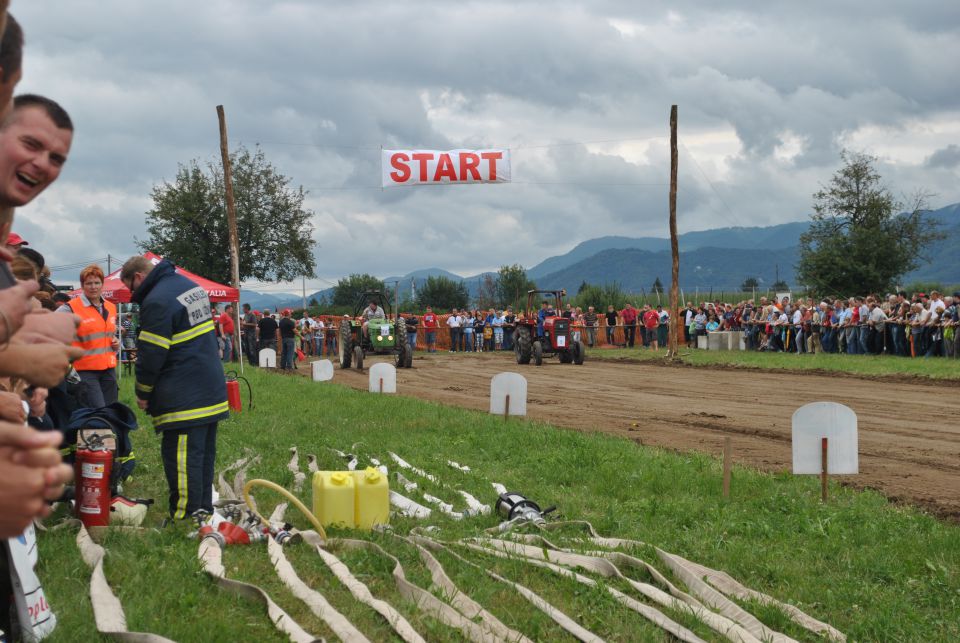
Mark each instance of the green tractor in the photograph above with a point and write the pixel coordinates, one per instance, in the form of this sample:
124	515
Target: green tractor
384	336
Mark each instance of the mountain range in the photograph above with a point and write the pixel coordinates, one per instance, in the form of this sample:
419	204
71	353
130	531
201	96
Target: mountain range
718	259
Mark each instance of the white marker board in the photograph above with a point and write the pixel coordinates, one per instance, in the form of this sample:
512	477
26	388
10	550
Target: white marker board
837	423
268	358
386	372
512	384
322	370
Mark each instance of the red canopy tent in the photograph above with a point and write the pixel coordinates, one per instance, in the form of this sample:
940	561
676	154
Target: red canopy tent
115	291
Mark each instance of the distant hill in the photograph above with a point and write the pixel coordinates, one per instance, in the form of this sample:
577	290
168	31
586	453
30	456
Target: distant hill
777	236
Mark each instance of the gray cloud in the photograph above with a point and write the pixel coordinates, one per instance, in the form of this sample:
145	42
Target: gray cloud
767	100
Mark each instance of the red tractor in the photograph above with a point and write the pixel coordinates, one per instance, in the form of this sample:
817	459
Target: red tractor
545	333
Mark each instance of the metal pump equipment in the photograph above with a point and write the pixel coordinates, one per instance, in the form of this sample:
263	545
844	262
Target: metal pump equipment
516	508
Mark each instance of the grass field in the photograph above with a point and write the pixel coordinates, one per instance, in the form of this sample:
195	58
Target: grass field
868	365
874	571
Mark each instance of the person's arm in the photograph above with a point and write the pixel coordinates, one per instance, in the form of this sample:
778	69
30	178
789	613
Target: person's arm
156	331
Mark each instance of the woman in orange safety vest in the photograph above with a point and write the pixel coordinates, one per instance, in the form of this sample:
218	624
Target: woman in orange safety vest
97	336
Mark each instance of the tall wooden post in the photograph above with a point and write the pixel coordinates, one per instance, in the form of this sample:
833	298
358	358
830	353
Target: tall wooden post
231	225
673	340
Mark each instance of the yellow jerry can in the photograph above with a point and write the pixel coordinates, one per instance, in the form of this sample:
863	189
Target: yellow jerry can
333	498
373	498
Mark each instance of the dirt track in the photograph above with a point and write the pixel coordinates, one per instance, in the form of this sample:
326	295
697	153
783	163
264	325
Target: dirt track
908	431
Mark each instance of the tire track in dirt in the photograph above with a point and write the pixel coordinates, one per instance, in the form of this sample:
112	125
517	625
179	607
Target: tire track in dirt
909	443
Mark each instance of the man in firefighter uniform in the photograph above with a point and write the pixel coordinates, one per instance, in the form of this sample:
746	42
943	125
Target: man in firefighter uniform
179	379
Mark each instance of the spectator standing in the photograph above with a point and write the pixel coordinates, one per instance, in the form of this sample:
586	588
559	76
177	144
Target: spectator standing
248	328
288	341
227	328
651	322
611	319
411	321
267	330
97	336
454	324
466	324
590	323
629	317
663	327
430	325
509	324
498	330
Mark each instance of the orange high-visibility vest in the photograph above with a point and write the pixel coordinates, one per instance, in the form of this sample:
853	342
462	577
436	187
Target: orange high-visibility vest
95	336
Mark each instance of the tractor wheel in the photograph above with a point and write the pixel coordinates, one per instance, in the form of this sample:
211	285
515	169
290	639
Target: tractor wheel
522	346
408	361
345	345
358	357
400	330
566	357
579	352
537	353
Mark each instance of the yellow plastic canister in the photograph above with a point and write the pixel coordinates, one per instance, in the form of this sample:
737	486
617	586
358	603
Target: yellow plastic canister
373	498
333	498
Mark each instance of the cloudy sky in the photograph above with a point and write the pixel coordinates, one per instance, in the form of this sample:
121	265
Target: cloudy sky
580	92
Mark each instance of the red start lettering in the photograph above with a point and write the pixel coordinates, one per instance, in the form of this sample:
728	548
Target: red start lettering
447	169
399	162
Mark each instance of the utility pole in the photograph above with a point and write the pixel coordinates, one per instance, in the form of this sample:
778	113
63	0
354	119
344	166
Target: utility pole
396	298
303	286
231	223
673	339
109	264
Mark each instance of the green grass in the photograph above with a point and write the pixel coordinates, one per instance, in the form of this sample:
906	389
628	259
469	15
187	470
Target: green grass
866	365
875	571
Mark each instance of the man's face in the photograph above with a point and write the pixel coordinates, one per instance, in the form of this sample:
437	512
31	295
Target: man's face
32	153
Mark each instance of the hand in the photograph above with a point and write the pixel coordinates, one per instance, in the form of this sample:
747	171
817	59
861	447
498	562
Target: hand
22	490
38	402
16	303
142	404
11	408
39	364
56	327
115	344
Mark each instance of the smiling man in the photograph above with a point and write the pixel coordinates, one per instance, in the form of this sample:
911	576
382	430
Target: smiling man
35	140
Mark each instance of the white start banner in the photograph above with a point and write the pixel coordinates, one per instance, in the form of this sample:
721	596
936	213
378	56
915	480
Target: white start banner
425	167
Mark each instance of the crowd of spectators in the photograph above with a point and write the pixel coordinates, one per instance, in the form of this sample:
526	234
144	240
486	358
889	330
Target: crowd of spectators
918	325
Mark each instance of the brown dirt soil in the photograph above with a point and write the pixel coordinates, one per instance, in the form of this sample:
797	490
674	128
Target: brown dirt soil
909	443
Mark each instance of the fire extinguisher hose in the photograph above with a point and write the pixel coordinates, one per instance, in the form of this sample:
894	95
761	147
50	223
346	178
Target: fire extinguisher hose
257	482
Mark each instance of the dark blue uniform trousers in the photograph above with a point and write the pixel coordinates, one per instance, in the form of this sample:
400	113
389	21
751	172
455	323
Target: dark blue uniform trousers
188	457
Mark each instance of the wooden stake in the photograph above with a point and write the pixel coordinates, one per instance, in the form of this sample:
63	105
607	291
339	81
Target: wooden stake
673	329
231	221
381	385
727	455
823	469
506	408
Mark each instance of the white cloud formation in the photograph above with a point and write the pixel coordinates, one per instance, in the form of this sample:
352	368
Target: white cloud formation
768	96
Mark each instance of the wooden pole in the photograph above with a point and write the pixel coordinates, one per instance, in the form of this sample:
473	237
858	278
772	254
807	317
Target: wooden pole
506	407
231	221
823	469
727	454
381	385
673	339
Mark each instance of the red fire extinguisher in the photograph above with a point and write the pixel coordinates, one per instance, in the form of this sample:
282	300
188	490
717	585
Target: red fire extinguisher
233	395
93	467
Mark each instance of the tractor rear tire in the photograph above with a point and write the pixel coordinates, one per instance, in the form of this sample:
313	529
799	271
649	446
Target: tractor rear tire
345	345
579	353
522	346
408	358
358	357
537	353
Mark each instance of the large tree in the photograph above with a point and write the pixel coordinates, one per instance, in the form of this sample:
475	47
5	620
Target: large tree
512	286
188	222
860	239
442	293
348	290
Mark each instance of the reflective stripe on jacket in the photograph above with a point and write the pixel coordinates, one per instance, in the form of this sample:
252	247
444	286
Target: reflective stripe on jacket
95	335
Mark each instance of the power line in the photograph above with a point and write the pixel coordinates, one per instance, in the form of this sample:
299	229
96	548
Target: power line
733	219
78	264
